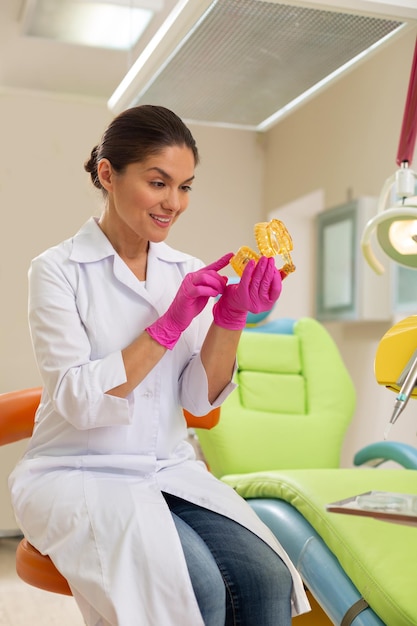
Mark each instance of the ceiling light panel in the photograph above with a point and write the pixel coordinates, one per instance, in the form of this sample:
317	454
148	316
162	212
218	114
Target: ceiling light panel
247	59
116	25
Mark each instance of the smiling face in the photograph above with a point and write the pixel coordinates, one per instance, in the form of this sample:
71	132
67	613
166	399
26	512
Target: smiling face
147	198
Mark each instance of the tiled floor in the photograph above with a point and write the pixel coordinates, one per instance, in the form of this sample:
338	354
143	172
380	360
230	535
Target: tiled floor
23	605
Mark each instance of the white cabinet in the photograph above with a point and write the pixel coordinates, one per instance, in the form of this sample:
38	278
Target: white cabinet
347	288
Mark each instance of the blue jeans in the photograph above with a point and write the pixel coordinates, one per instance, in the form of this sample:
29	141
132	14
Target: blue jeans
238	579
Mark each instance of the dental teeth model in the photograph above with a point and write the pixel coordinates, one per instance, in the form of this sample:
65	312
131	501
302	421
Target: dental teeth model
272	239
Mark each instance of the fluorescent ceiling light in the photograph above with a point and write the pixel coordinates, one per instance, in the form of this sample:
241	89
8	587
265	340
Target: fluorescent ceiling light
177	28
116	25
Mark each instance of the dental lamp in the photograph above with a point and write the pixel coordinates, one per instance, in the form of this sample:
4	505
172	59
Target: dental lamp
396	232
396	220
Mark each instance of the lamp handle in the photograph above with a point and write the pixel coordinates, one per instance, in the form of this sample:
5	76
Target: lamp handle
367	251
400	212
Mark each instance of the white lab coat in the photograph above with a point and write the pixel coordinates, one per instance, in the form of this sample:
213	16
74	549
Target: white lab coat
88	489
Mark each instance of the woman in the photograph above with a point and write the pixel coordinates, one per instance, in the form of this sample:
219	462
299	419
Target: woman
124	337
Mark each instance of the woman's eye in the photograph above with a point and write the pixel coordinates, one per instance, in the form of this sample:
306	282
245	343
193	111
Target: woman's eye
187	188
158	183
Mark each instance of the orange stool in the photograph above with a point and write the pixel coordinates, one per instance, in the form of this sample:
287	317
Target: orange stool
38	570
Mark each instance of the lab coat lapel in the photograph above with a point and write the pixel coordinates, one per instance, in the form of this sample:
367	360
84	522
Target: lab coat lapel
125	275
162	276
165	269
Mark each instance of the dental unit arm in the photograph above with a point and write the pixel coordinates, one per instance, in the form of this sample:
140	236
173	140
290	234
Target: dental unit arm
396	224
405	392
396	364
396	232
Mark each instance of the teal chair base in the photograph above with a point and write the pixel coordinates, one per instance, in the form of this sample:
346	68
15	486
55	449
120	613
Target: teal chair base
318	566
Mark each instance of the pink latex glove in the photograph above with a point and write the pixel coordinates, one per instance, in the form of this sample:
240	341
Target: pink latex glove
257	291
192	296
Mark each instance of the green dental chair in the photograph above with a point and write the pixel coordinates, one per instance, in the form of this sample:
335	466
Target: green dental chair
278	443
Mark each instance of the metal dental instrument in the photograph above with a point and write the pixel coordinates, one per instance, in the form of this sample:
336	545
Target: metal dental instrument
409	376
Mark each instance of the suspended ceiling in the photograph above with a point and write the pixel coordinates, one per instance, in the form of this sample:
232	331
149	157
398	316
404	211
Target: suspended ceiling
241	63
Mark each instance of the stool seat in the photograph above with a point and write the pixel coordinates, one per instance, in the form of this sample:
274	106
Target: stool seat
38	570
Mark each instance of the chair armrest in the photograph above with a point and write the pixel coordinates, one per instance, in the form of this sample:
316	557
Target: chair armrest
17	414
377	453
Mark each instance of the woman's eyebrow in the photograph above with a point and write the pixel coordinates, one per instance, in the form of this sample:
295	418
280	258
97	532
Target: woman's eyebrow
167	176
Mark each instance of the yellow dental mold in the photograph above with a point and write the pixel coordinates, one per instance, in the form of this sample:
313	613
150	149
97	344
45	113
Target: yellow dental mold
272	238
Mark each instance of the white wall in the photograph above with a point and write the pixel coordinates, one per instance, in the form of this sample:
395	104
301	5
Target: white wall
44	196
343	144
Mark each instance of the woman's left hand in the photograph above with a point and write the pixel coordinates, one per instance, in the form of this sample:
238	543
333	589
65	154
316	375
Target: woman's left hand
257	291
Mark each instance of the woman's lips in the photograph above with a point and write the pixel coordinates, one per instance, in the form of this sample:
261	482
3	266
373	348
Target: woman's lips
161	220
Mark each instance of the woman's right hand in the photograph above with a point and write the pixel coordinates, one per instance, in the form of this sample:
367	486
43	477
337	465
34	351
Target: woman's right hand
191	298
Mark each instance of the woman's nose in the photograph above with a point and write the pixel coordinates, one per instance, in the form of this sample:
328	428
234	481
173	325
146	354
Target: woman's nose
172	200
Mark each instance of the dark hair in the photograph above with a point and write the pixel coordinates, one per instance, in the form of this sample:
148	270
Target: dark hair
136	134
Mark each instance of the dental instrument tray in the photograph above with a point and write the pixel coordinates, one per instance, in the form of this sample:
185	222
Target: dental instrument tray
384	505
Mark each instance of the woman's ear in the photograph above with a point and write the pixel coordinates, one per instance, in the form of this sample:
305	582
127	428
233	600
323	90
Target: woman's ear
105	174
